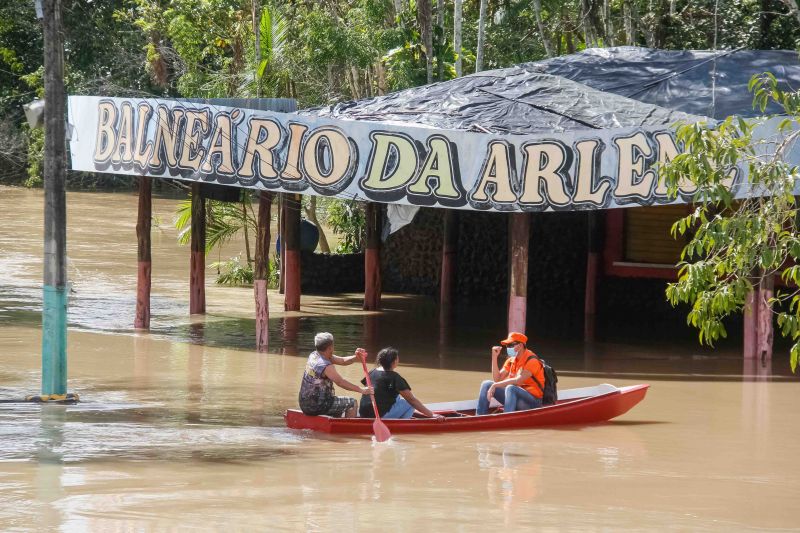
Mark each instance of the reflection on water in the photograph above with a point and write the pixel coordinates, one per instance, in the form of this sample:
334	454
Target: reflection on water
182	428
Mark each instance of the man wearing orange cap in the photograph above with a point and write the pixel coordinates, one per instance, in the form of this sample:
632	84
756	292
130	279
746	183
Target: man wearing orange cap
519	385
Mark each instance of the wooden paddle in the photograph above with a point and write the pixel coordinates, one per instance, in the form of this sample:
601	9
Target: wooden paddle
382	433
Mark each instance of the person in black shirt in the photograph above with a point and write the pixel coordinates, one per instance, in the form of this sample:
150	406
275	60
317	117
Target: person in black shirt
392	393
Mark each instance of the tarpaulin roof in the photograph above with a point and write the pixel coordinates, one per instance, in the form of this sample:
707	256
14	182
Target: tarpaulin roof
595	89
515	100
710	83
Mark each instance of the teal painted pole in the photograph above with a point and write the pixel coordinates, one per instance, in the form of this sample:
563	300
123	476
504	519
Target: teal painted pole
54	309
54	341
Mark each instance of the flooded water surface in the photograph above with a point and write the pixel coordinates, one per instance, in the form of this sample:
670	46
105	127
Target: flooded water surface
182	428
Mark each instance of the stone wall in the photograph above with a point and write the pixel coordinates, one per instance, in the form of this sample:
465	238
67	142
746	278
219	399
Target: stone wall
331	273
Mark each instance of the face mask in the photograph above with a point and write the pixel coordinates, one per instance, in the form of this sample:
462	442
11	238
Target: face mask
511	352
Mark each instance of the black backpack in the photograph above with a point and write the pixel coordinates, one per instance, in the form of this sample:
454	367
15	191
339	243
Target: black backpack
550	388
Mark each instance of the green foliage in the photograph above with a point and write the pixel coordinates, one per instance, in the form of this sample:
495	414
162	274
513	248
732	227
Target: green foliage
224	220
274	274
347	219
233	272
35	157
737	244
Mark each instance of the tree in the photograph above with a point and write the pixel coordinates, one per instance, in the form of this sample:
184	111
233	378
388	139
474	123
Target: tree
734	244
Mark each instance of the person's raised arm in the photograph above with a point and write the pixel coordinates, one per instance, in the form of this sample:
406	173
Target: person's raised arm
344	361
418	405
333	375
497	373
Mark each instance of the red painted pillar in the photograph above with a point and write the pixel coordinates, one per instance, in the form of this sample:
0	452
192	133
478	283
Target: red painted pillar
197	266
758	331
372	258
143	278
282	236
519	239
449	254
261	270
291	232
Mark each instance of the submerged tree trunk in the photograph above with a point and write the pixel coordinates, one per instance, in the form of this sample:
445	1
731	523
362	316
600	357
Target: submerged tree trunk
458	13
481	37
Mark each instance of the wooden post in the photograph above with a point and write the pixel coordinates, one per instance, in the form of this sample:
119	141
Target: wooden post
592	262
291	233
261	269
197	267
282	236
143	279
750	333
449	255
766	291
519	238
758	331
54	304
372	258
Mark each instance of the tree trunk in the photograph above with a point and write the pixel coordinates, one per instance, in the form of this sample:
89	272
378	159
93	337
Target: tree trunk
481	37
398	7
586	20
458	14
609	23
424	19
257	35
311	215
381	75
440	7
630	30
649	36
793	8
537	10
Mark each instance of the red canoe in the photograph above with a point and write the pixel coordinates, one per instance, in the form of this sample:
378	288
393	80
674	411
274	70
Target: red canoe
587	405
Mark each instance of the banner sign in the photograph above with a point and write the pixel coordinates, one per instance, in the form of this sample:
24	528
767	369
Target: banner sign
374	161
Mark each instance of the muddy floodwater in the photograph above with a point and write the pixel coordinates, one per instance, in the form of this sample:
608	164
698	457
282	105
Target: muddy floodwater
182	428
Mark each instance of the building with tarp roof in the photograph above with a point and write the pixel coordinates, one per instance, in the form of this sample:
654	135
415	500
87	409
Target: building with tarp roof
594	89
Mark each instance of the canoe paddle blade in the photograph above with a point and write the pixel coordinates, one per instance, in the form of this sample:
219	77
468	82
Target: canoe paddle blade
382	433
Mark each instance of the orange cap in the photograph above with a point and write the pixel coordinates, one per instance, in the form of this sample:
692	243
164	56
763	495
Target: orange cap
514	337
